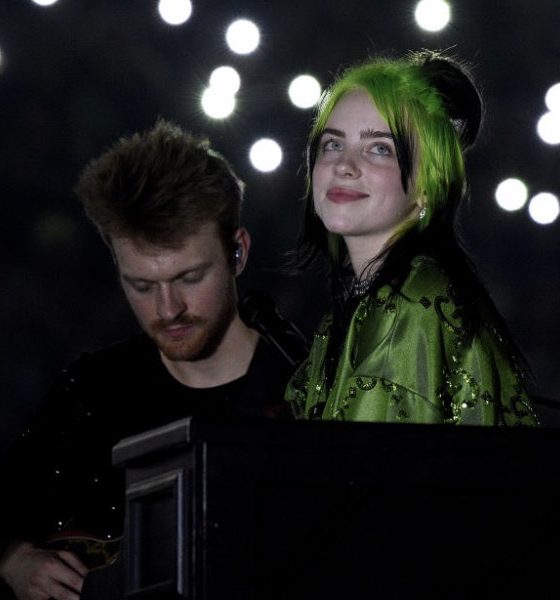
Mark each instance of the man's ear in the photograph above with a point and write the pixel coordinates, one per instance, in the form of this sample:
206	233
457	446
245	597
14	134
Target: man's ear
242	244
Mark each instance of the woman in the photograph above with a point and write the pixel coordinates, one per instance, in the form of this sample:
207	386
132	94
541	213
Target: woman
413	336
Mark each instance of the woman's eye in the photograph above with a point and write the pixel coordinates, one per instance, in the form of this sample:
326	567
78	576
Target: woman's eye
331	145
381	149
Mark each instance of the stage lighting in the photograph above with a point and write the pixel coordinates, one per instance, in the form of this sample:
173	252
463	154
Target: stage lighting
265	155
216	104
175	12
304	91
552	98
243	36
225	79
511	194
544	208
548	128
44	2
432	15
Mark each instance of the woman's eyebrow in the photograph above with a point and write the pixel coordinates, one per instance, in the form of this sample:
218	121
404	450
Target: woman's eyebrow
375	133
332	131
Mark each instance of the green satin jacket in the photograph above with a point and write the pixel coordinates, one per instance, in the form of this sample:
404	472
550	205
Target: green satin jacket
407	358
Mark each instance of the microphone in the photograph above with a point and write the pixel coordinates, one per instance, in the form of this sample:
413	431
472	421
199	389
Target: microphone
258	310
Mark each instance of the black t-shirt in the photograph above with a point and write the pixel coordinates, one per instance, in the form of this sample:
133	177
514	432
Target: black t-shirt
60	477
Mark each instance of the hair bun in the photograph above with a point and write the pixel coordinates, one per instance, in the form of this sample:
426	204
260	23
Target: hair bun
459	94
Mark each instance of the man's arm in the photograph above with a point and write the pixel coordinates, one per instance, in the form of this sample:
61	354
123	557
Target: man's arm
35	574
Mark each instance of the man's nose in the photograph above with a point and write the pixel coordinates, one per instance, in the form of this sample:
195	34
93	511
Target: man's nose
170	303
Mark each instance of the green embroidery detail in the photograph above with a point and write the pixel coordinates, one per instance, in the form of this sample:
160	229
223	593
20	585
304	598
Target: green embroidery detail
458	331
425	302
395	400
390	307
388	386
402	415
486	397
365	385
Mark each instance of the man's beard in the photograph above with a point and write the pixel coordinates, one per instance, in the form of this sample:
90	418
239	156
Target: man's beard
200	342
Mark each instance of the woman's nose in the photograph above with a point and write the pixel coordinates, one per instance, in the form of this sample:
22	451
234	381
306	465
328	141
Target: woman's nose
347	166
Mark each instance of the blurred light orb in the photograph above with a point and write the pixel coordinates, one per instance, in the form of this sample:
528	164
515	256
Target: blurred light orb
552	98
548	128
243	36
544	208
432	15
44	2
175	12
304	91
265	155
225	79
511	194
216	104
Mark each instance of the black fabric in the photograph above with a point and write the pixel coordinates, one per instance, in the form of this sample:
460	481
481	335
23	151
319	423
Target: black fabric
59	475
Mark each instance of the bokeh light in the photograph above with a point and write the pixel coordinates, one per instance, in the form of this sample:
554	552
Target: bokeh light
552	98
432	15
175	12
304	91
544	208
548	128
243	36
511	194
265	155
216	104
226	79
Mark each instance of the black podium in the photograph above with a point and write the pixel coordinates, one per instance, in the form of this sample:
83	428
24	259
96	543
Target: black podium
280	510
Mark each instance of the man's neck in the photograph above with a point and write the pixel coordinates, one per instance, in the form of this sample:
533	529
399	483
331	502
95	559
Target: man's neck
230	361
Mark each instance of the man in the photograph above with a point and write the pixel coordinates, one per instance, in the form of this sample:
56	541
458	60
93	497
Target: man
168	207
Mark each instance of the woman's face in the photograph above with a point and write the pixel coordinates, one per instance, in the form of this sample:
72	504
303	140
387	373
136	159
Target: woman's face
357	189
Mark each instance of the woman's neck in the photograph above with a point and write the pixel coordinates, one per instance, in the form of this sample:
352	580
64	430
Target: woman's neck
362	251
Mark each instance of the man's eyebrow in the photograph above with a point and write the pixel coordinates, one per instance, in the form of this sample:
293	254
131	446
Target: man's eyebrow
133	279
375	133
139	279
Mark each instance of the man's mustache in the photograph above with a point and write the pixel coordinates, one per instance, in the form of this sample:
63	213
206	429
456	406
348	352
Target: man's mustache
162	324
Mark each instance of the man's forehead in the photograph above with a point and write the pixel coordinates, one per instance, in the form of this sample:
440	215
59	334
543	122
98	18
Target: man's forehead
141	259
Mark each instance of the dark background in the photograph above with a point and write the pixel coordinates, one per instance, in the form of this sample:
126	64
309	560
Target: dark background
77	75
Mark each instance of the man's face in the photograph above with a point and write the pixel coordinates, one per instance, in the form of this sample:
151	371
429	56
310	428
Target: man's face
185	298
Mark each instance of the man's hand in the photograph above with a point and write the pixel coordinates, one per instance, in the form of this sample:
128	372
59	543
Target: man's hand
35	574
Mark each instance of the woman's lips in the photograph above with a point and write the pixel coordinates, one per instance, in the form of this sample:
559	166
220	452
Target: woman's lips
339	195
